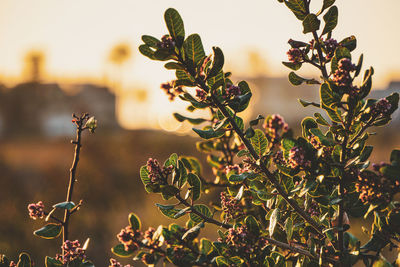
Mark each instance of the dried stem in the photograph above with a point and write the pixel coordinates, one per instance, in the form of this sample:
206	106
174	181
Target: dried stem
72	172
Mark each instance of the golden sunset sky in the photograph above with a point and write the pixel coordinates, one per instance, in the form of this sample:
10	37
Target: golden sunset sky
77	36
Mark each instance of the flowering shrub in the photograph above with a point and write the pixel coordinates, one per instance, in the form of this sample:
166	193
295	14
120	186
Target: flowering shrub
284	200
72	253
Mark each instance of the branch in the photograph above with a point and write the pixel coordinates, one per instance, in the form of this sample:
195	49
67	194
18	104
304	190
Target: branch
205	218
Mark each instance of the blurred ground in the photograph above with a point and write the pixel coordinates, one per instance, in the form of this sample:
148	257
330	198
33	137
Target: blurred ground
108	182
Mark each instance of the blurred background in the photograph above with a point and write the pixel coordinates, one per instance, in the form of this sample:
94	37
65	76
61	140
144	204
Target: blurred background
60	57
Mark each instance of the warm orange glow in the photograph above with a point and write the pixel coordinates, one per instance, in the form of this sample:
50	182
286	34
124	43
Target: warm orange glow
77	37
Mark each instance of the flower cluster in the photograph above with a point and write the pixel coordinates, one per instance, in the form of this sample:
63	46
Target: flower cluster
148	238
375	188
274	126
297	158
342	75
295	55
313	209
230	206
13	264
242	241
36	210
72	251
171	90
232	91
330	47
129	238
115	263
233	168
278	158
323	151
166	42
382	107
201	94
157	173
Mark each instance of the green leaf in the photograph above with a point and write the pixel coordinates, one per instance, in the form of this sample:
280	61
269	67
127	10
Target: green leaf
350	43
295	79
311	23
195	184
306	124
51	262
322	138
292	65
150	41
24	260
289	229
144	175
145	50
168	191
273	221
222	261
366	152
392	172
203	209
359	65
172	160
252	224
382	263
333	113
321	120
120	251
134	221
49	231
218	62
194	229
67	205
181	212
327	96
175	26
239	178
193	50
259	142
297	7
287	144
395	157
209	134
327	3
169	210
174	66
331	20
205	246
181	118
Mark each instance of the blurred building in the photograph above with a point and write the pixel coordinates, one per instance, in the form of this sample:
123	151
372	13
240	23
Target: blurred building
44	109
276	95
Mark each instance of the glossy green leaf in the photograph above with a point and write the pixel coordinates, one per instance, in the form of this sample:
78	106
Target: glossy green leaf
150	41
366	152
289	228
292	65
51	262
203	209
174	66
49	231
311	23
252	224
209	133
350	43
259	142
327	96
182	118
195	183
218	62
322	138
295	79
321	120
67	205
119	250
297	7
134	221
306	124
222	261
331	20
194	51
273	220
24	260
145	50
194	229
327	3
168	191
175	26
